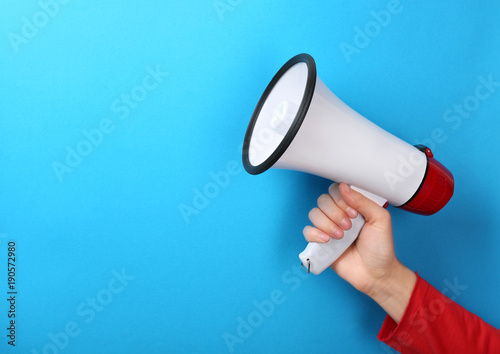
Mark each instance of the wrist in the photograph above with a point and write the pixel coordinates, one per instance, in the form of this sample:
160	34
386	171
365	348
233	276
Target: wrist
393	292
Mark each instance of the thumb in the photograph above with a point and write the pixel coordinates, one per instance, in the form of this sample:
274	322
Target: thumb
371	211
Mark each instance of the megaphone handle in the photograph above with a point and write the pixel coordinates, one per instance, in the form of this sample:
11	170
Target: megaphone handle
319	256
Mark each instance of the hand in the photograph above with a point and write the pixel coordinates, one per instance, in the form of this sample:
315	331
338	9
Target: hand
370	263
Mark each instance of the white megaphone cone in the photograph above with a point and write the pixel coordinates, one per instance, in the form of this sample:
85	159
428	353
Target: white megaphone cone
299	124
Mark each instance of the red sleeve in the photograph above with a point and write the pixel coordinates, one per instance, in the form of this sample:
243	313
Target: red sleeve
432	323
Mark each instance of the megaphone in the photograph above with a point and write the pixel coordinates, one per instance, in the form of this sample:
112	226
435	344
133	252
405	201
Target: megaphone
299	124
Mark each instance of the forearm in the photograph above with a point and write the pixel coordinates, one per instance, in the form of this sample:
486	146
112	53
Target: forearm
393	294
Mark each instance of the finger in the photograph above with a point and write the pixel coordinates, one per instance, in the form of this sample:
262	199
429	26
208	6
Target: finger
312	234
328	206
325	224
352	213
371	211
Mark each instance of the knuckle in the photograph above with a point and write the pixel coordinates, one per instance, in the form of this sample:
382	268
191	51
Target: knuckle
386	215
307	232
312	213
357	198
337	216
310	233
323	199
315	233
329	227
330	189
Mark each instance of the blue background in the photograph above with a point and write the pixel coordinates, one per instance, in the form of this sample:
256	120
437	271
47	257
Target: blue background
120	209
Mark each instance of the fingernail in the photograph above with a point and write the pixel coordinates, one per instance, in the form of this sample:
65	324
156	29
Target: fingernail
351	212
348	189
324	237
338	232
345	224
